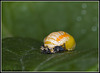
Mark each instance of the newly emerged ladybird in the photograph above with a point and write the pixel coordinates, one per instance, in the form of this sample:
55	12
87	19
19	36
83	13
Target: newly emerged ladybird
58	42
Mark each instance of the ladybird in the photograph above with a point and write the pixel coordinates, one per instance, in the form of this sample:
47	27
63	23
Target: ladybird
58	42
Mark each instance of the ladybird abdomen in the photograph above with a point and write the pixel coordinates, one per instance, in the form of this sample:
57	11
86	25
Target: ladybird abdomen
50	42
56	39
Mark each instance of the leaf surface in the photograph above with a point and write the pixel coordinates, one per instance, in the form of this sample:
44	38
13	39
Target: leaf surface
26	24
24	54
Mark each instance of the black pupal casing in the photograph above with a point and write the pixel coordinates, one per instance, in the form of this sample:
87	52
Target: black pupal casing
56	50
46	51
59	49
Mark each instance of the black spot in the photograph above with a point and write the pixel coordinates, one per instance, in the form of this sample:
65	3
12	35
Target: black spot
43	46
59	49
46	51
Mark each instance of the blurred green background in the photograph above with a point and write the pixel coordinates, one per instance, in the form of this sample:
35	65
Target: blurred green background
38	19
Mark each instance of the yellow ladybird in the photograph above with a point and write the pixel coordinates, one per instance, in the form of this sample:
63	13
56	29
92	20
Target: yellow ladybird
58	42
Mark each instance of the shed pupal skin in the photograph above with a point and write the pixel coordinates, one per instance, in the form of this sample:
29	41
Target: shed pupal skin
58	42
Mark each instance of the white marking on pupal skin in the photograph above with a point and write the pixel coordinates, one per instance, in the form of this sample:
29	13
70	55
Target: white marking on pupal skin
51	40
61	32
56	34
50	45
63	40
53	34
54	37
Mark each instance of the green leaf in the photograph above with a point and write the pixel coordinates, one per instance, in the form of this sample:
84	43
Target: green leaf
38	19
24	54
33	21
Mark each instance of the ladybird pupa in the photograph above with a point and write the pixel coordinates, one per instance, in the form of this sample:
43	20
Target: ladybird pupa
57	42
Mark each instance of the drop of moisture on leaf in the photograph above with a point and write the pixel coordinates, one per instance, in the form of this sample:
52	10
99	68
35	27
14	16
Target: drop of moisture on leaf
79	18
94	28
83	12
84	5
